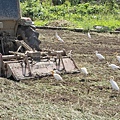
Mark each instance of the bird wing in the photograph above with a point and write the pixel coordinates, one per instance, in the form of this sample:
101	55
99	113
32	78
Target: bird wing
57	77
113	66
84	70
100	56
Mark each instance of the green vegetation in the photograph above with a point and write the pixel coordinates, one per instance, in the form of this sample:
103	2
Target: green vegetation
84	15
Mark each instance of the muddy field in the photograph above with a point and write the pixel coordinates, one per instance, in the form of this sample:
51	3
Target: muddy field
78	97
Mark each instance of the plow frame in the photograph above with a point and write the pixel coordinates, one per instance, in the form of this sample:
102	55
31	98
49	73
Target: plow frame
35	64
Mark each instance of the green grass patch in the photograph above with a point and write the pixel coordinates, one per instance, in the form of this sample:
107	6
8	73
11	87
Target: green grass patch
81	15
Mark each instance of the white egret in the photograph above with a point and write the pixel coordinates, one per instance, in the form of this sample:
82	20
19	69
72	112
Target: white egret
118	57
99	56
56	76
114	84
84	71
113	66
59	38
70	53
23	64
89	36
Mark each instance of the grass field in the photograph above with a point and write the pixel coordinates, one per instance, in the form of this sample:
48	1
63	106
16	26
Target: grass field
77	97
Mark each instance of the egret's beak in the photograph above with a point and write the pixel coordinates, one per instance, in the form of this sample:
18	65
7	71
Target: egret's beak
52	72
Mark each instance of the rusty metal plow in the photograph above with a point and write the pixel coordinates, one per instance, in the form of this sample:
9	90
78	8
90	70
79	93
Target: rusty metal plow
35	64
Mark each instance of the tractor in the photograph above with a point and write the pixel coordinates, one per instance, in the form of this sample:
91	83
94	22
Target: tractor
21	57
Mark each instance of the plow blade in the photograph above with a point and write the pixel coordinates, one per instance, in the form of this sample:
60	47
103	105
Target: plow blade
37	69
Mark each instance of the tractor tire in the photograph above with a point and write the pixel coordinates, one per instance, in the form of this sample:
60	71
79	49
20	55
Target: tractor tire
30	36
